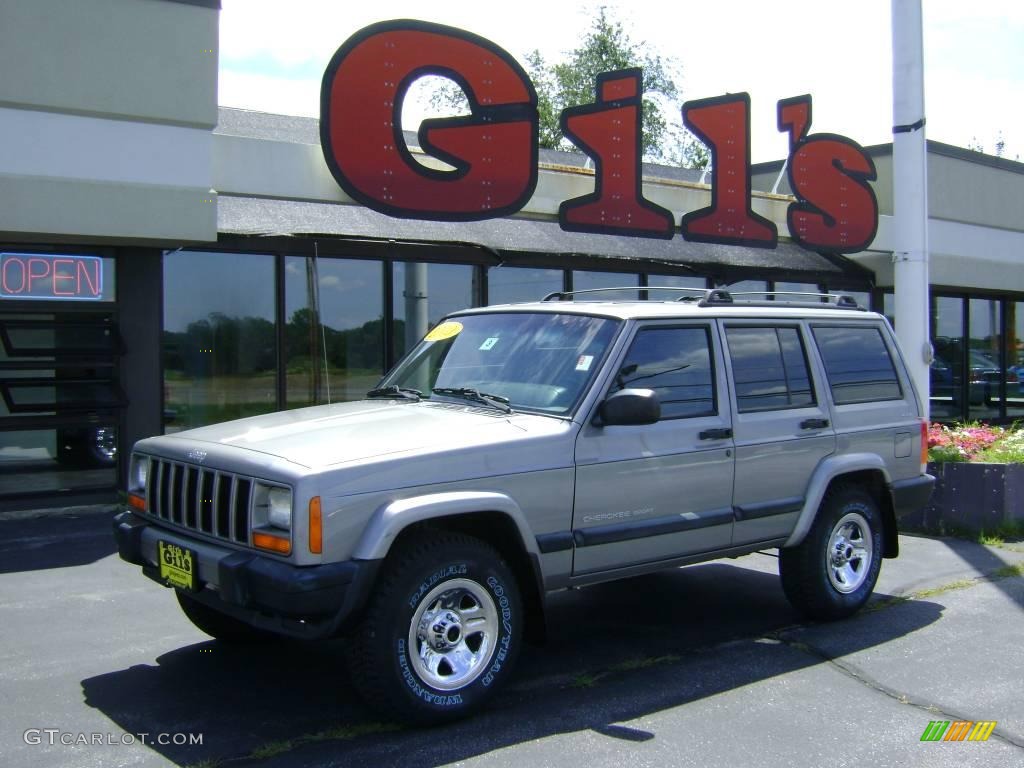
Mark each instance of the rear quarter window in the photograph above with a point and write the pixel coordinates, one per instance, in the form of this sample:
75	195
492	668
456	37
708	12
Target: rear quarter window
858	364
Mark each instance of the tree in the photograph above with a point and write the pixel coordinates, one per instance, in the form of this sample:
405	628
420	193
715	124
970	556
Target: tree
606	47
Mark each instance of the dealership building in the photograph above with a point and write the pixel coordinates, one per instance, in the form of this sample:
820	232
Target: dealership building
167	263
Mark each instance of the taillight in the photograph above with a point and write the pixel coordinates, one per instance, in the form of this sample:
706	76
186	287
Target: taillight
924	445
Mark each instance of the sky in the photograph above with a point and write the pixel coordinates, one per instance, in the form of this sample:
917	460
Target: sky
273	55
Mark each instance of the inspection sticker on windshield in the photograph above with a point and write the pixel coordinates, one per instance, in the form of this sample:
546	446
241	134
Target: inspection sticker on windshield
583	364
444	331
489	343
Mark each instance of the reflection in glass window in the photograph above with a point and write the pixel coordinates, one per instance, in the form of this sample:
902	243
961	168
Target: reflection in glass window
674	281
748	286
219	338
857	364
791	291
676	364
1015	358
334	331
507	285
946	379
986	377
540	362
769	368
425	293
586	280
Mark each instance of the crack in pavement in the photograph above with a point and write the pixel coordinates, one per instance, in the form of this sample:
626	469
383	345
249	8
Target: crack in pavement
859	675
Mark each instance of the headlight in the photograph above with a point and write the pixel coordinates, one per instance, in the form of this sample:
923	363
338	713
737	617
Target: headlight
138	474
279	503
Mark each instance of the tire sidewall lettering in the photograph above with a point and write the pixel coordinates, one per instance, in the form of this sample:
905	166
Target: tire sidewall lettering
441	699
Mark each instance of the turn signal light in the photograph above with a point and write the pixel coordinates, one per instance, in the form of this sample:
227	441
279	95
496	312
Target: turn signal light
279	544
135	501
316	527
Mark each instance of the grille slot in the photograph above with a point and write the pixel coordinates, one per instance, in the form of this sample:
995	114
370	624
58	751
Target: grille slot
209	501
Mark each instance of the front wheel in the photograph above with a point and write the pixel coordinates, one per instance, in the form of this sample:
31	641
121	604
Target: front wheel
441	631
833	571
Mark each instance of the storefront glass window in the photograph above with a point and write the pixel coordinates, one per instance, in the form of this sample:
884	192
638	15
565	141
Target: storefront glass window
334	329
674	281
796	288
506	285
582	280
60	402
1015	358
219	337
985	372
946	378
423	294
747	286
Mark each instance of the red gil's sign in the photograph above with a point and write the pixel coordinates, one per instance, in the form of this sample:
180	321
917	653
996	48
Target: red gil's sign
493	151
52	277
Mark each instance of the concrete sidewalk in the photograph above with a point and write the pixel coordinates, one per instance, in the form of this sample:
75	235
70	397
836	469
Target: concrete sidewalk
702	666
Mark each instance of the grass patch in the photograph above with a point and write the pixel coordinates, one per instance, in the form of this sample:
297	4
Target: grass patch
339	733
591	679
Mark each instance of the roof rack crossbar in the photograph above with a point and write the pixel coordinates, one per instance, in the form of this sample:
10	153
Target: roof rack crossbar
565	295
840	299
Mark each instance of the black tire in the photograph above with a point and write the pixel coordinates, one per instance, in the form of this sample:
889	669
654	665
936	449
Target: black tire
441	632
219	625
833	571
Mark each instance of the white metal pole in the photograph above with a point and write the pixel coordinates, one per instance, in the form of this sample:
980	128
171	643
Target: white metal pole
910	192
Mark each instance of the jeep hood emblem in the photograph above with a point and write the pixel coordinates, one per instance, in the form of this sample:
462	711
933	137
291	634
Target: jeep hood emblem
197	456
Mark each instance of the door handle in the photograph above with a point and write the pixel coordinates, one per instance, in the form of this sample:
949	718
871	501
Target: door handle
716	434
813	423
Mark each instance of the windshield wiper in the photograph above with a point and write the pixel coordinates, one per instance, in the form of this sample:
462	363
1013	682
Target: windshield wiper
394	391
495	401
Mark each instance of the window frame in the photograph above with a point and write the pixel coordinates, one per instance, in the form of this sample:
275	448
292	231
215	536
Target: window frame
709	334
886	345
766	324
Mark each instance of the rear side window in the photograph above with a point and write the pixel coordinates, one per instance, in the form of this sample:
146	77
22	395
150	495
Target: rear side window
858	364
676	364
769	368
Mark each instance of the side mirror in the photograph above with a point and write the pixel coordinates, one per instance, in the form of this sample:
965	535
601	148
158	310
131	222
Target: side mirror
629	407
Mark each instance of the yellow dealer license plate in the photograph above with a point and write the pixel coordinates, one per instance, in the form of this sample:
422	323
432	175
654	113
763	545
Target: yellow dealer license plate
177	565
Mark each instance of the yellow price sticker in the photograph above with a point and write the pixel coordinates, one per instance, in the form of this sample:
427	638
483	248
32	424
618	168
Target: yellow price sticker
444	331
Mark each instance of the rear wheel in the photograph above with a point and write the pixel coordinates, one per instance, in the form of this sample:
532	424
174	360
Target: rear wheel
441	632
832	573
219	625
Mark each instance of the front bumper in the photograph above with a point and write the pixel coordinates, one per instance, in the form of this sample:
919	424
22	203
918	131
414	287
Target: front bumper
300	601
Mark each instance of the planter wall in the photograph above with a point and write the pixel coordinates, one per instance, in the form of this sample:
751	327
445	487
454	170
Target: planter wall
972	497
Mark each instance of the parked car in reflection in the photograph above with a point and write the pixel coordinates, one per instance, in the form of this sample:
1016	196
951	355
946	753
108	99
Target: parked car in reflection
984	375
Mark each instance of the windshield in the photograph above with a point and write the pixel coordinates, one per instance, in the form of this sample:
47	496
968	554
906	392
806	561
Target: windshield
537	361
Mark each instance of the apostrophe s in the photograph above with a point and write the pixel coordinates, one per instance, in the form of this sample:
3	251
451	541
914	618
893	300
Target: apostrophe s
836	209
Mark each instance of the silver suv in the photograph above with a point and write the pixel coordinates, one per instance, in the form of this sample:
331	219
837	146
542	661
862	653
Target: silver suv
523	449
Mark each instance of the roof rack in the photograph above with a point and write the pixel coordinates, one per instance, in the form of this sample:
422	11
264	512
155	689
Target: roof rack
567	295
705	297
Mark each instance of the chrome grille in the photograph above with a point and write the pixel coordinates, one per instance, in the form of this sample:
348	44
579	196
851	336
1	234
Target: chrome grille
206	500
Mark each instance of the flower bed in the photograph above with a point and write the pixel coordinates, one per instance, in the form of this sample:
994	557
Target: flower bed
979	473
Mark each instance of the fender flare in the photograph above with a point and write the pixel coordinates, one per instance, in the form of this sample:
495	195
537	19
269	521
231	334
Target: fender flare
827	471
390	519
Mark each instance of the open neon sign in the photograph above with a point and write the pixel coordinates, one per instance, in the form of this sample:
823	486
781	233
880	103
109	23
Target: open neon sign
493	151
51	277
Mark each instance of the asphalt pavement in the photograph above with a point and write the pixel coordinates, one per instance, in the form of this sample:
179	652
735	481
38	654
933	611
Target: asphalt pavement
703	666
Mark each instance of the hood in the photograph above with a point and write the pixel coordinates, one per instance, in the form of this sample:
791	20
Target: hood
362	431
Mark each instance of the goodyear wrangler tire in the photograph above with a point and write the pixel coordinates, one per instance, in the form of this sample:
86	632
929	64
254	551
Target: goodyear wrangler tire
832	573
441	632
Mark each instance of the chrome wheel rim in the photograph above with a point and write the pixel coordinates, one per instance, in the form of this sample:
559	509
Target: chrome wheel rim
453	634
850	553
